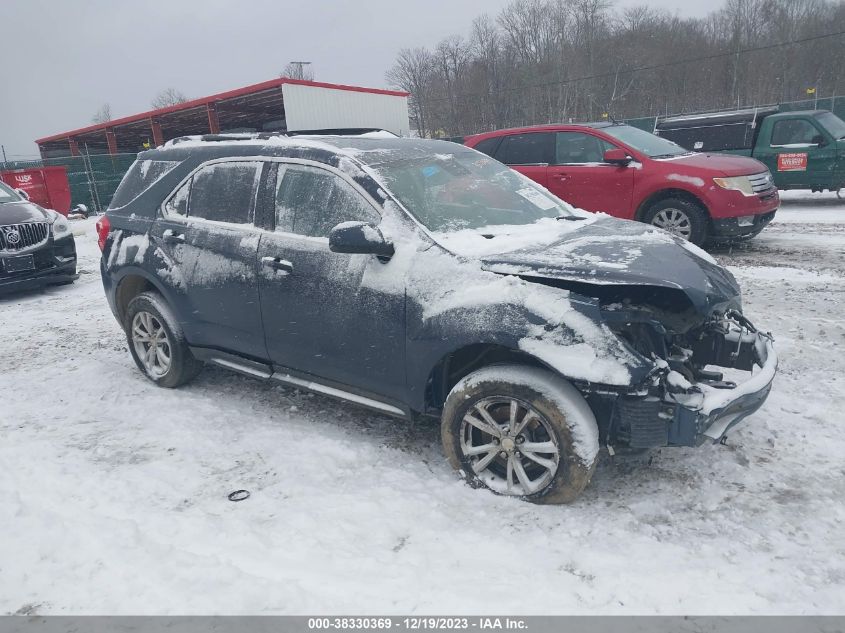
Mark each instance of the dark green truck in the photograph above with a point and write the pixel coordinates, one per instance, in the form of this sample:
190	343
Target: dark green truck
803	150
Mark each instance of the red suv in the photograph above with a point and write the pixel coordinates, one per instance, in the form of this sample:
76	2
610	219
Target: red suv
631	174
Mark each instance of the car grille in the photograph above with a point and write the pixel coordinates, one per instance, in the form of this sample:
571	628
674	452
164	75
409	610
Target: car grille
761	183
16	237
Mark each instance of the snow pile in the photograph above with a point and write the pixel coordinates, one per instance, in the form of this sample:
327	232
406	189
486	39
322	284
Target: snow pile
691	180
113	491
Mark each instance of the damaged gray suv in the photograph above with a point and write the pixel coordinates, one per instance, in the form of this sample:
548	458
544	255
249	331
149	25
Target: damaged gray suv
424	279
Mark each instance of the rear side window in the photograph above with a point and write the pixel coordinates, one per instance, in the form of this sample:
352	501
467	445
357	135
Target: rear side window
312	201
526	149
793	132
178	203
141	176
224	192
489	145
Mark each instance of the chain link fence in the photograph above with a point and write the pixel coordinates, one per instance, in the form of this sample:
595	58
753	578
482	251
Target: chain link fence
93	179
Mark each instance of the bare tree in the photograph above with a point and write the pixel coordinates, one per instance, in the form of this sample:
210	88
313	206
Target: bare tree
168	97
542	61
298	70
102	115
413	73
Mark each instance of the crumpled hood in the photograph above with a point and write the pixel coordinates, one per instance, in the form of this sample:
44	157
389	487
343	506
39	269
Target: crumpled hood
18	212
626	253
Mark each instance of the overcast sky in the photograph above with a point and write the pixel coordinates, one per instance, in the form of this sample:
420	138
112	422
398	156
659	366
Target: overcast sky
63	60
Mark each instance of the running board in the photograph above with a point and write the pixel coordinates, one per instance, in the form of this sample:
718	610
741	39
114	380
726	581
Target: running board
317	387
265	371
230	361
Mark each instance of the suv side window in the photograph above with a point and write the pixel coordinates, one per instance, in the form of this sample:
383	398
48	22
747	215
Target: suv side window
312	201
225	192
573	148
793	132
526	149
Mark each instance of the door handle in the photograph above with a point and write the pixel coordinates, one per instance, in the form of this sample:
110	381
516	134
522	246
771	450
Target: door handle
560	176
277	263
173	238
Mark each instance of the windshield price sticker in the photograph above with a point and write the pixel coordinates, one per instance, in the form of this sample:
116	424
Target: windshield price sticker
536	198
430	623
793	161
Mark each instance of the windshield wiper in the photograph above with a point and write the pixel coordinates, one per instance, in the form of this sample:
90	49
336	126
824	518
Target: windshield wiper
570	217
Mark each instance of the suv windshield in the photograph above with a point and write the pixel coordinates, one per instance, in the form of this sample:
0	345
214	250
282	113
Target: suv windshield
7	194
467	190
832	124
645	142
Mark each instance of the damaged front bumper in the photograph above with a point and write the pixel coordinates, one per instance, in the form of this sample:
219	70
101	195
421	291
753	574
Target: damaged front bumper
707	413
690	403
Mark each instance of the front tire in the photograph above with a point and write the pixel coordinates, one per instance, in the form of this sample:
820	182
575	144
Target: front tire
157	343
680	217
520	431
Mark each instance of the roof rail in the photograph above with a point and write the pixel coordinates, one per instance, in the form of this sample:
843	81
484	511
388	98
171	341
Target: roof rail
263	136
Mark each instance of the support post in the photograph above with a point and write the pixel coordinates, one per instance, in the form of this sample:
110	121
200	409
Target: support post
213	123
158	137
74	147
112	141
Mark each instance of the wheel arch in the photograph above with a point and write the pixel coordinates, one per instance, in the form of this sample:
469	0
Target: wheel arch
460	362
132	282
666	194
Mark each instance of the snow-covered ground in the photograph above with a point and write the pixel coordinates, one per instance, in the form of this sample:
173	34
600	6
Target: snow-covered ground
113	491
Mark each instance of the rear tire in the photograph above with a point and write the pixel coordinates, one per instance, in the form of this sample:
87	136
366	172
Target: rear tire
542	444
680	217
157	343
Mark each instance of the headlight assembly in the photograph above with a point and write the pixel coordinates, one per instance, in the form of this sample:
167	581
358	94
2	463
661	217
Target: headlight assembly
736	183
61	227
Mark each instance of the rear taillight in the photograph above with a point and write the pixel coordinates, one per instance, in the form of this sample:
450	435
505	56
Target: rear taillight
103	228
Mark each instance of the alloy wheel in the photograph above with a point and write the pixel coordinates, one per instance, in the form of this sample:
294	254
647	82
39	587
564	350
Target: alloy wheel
675	221
510	446
151	344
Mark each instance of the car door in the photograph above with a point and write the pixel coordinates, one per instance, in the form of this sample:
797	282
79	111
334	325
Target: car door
579	175
320	315
799	154
528	153
209	245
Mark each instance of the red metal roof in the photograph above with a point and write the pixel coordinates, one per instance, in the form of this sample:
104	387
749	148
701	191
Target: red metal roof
202	101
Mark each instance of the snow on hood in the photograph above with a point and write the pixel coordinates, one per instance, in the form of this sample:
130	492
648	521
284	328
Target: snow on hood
716	164
608	251
23	211
501	239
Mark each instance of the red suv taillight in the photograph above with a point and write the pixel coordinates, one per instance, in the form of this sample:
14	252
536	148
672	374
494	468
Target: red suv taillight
103	228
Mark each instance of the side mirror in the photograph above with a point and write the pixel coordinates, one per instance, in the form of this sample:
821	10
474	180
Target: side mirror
818	140
23	194
361	238
617	156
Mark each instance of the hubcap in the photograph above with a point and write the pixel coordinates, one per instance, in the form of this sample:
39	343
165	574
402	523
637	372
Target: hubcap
675	221
151	344
510	446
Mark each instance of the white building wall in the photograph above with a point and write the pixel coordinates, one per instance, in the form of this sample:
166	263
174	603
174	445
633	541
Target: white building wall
317	108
